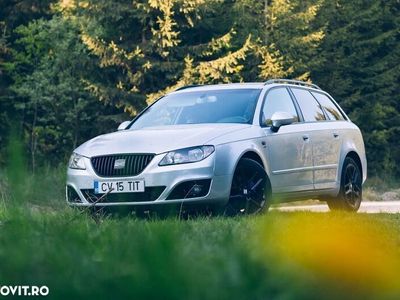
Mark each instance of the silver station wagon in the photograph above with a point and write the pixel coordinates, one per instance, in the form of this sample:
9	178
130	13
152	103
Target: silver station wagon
232	147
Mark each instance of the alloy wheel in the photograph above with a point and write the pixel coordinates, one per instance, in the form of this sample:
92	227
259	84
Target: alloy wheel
248	191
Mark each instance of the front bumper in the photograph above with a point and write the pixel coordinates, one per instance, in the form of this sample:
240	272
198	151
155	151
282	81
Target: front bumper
163	180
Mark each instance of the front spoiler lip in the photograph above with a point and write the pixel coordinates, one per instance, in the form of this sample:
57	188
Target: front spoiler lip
145	203
141	203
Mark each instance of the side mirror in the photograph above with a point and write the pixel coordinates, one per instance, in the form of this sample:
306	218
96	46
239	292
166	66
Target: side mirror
123	125
281	118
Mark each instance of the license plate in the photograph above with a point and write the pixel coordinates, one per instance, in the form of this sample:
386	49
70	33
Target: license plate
121	186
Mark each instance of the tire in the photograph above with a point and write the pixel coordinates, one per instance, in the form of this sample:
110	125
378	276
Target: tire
250	189
350	194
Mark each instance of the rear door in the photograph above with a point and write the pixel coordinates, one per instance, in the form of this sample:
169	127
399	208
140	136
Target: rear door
334	135
325	140
289	149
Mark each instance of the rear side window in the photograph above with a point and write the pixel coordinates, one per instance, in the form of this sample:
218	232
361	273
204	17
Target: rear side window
330	108
310	108
278	100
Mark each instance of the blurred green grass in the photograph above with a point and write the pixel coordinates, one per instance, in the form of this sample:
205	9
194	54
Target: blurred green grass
44	242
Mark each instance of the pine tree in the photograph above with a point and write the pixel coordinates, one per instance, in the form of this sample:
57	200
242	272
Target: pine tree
292	39
361	69
58	112
162	45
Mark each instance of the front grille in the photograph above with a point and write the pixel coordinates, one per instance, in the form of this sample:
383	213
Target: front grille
150	194
134	164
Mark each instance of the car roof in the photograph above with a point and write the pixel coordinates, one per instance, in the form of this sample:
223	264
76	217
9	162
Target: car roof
242	85
224	86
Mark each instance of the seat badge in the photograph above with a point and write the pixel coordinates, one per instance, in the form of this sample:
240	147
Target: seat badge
119	164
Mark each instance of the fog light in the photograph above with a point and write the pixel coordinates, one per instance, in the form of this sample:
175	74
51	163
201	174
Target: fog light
194	191
197	189
190	189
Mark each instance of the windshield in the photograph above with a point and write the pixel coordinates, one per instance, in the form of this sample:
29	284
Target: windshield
214	106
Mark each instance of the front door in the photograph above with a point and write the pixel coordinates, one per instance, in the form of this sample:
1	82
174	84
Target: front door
289	149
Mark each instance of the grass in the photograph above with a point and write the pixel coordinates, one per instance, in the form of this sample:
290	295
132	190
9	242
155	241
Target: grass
276	255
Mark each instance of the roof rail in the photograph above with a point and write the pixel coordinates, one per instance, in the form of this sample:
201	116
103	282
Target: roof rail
187	86
292	81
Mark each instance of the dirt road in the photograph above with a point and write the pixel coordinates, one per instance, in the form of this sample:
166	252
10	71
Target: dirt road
366	207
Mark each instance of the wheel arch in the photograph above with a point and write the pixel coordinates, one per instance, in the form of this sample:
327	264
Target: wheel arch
250	154
356	158
338	202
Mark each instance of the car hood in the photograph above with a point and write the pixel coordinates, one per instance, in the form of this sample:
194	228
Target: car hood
156	139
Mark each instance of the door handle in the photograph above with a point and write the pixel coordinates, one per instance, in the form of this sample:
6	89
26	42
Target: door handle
306	137
335	134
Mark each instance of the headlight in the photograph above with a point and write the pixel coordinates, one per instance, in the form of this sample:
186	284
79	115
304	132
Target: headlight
76	162
186	155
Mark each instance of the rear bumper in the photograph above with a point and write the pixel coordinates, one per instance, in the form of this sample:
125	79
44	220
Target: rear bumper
162	179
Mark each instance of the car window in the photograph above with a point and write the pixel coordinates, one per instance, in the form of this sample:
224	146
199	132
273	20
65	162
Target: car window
207	106
278	100
330	108
310	108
